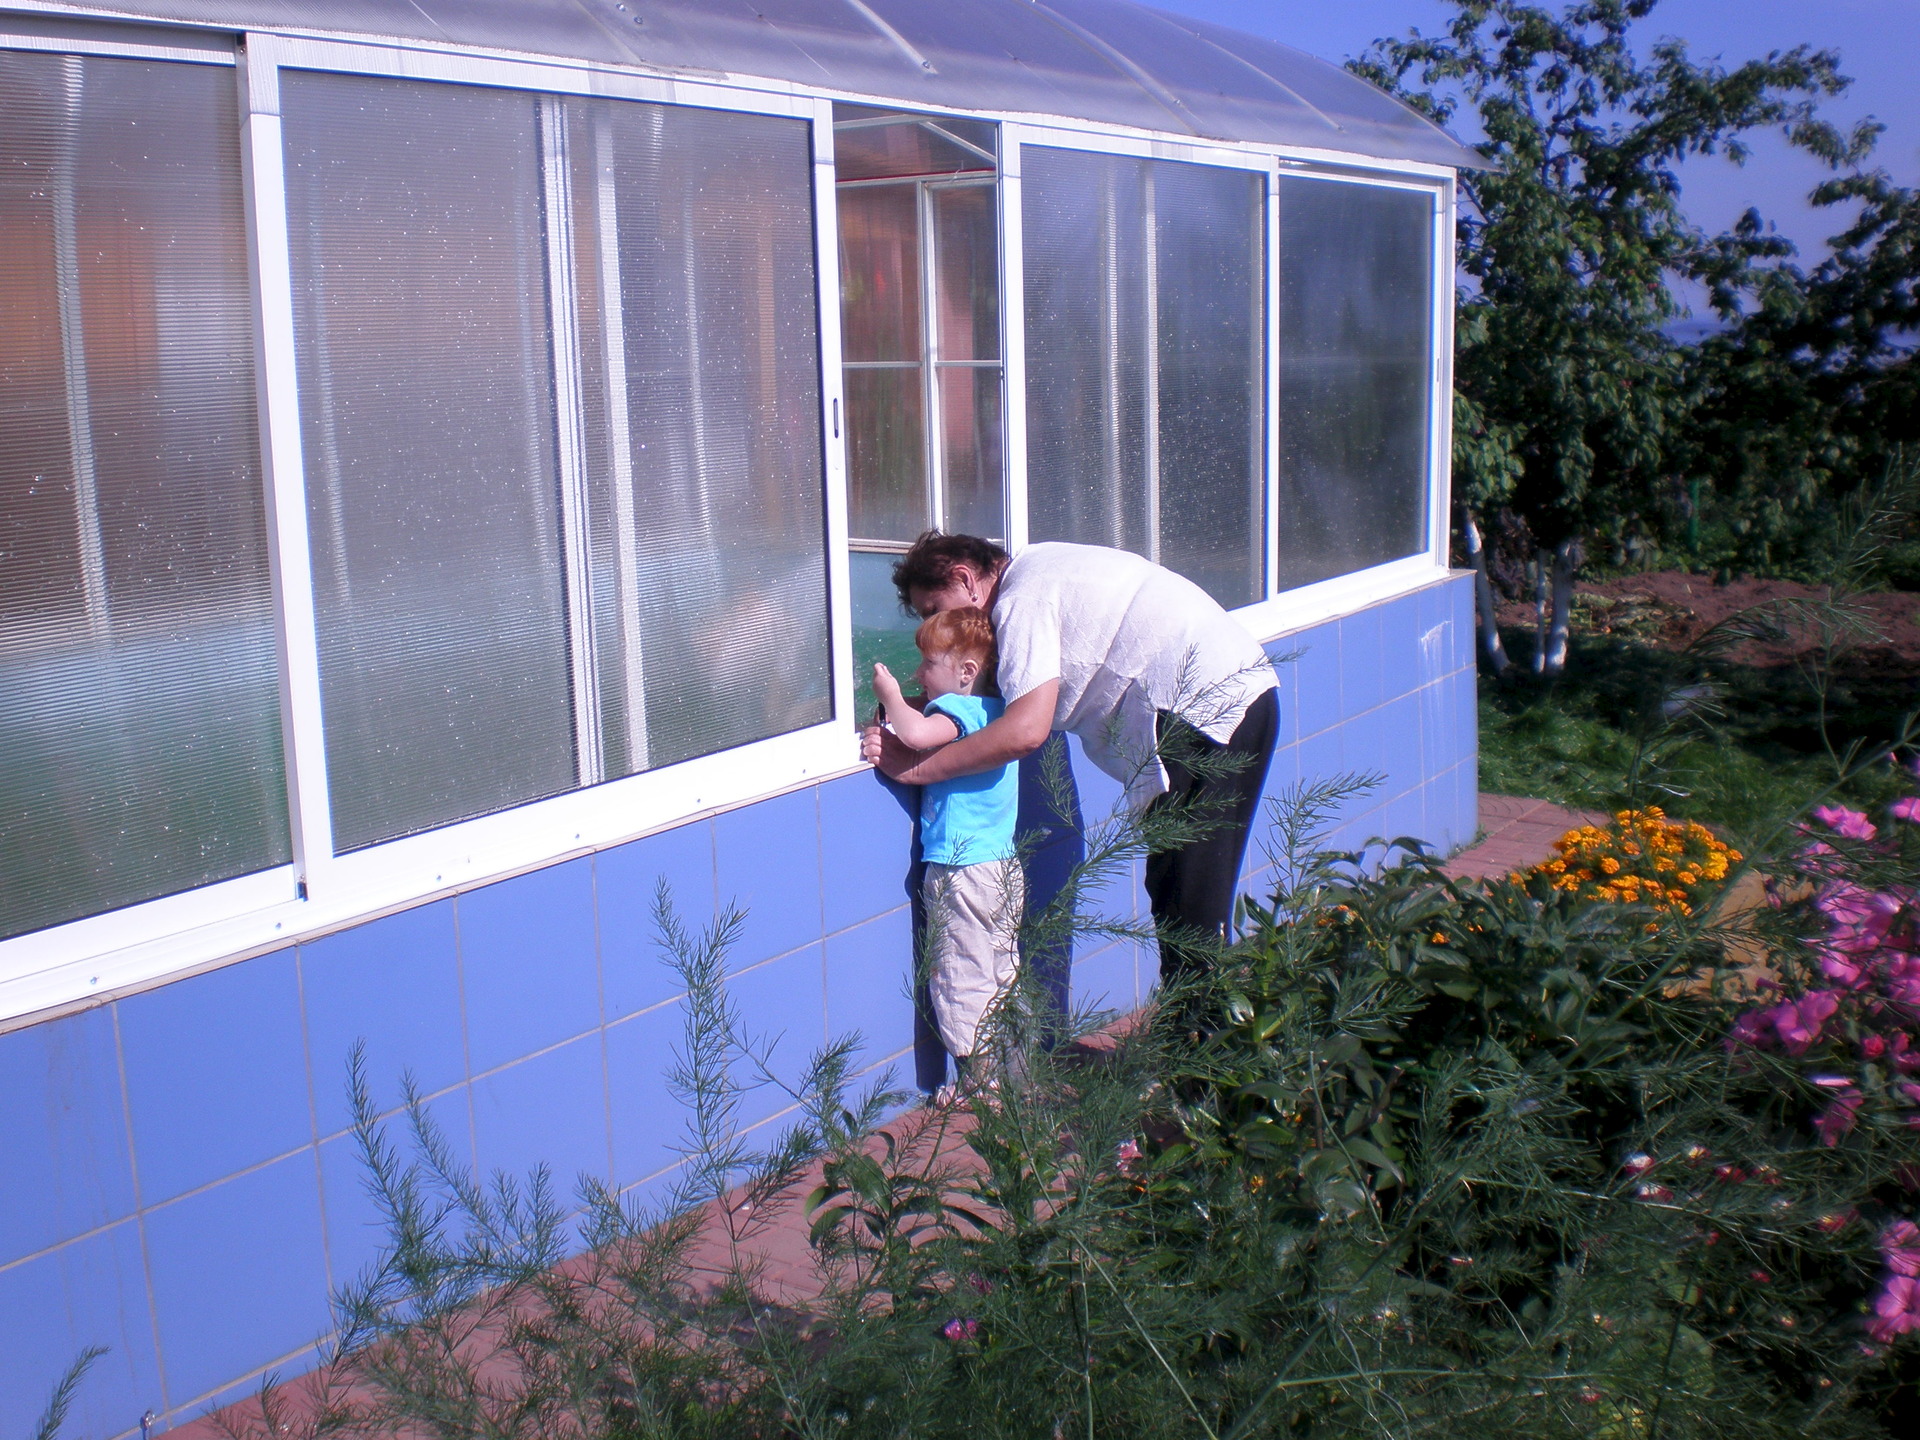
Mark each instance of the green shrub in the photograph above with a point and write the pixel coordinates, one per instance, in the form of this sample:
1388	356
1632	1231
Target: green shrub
1414	1158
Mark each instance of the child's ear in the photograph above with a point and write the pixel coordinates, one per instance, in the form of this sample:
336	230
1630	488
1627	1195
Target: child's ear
969	671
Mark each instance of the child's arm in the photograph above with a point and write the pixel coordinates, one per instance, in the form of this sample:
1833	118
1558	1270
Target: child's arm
917	731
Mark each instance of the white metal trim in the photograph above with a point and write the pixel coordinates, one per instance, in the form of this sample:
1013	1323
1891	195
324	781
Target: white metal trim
115	41
1339	595
303	736
1013	337
1441	517
569	406
826	229
82	950
164	939
1270	576
555	77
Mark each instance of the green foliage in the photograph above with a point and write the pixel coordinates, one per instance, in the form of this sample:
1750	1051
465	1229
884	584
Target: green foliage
61	1401
1572	395
1812	388
1412	1157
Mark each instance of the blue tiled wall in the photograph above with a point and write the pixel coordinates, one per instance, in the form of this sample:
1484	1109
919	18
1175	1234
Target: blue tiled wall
175	1178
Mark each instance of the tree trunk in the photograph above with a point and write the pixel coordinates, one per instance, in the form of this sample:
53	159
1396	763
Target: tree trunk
1490	643
1539	612
1566	563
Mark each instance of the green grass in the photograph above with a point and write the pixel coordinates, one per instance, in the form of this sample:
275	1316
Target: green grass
1743	757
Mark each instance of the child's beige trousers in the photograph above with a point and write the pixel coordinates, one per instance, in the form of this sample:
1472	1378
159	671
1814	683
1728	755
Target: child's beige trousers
973	944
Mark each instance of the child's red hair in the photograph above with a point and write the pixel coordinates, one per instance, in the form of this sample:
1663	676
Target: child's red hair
967	634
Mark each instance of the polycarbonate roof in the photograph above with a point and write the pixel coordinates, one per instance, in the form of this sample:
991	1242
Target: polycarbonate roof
1106	60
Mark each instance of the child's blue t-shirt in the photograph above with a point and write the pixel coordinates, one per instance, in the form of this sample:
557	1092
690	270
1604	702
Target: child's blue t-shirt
969	819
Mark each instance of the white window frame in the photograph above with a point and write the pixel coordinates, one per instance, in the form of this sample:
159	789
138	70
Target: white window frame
1303	606
1279	611
77	963
81	962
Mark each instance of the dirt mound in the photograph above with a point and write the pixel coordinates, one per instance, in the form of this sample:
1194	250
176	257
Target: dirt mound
1671	608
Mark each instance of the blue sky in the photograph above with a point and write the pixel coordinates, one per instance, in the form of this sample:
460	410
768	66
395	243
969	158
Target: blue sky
1878	42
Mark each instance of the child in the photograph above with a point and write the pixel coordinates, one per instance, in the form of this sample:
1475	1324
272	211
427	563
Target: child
973	889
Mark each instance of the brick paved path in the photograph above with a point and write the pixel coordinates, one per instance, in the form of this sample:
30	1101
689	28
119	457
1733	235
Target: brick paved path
1516	832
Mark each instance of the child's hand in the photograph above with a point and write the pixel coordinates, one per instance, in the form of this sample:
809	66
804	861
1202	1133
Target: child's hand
886	690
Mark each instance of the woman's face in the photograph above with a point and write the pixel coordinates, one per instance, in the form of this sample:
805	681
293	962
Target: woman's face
965	586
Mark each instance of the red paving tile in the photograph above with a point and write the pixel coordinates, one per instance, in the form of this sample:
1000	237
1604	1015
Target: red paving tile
1515	832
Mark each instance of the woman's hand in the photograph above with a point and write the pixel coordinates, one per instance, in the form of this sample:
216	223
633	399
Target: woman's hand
886	751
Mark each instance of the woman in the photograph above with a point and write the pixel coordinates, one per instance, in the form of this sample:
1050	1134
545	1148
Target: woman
1144	667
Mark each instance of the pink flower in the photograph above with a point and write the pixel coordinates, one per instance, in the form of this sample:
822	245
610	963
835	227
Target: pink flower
1749	1029
1655	1193
1901	1053
979	1285
1850	907
958	1329
1901	981
1637	1164
1799	1022
1873	1046
1127	1158
1896	1309
1731	1174
1907	809
1847	973
1834	1221
1900	1247
1842	821
1837	1119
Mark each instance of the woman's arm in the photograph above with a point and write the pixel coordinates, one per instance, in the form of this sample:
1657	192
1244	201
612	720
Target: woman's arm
920	731
1022	730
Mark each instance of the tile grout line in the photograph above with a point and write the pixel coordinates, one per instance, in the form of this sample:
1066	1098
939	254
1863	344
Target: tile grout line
178	1413
313	1118
140	1208
600	974
820	889
466	1042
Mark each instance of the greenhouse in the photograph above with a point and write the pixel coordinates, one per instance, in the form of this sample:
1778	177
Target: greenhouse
452	461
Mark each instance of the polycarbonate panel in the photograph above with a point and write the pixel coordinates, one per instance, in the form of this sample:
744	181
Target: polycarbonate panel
140	750
719	548
1210	293
966	250
1087	348
1122	63
1145	354
1356	358
880	272
886	453
426	398
970	437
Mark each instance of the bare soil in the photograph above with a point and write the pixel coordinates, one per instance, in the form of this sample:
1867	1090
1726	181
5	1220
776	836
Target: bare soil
1670	609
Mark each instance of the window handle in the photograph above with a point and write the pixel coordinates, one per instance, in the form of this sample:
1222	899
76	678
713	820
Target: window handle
836	417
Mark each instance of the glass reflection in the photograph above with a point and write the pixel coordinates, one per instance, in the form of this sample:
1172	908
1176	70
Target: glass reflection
1356	271
920	306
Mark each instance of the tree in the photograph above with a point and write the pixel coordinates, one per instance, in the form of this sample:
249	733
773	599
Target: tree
1812	384
1570	394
